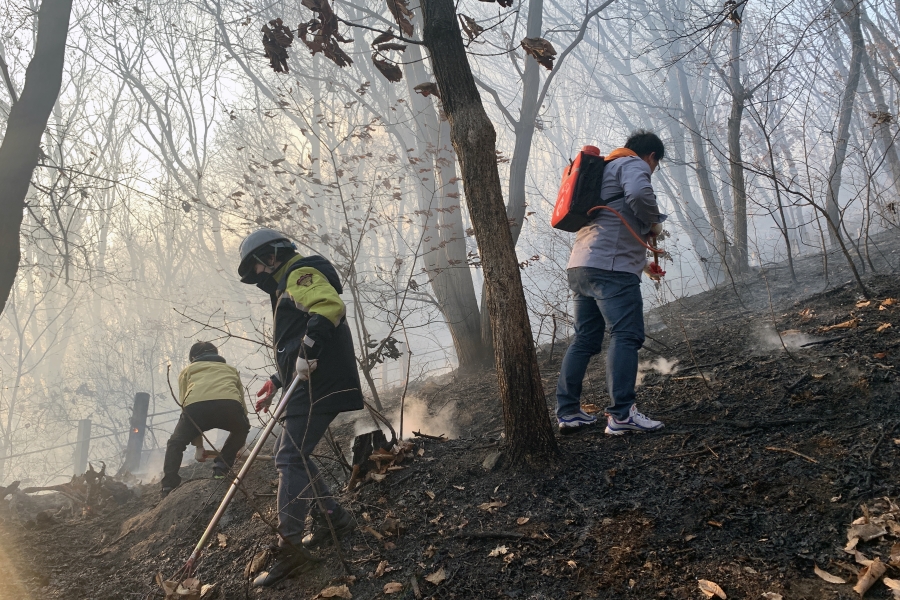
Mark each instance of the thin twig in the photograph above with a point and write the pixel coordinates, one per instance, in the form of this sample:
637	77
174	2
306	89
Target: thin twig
803	456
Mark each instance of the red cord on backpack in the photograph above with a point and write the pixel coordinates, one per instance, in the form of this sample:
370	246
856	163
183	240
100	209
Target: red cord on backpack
633	232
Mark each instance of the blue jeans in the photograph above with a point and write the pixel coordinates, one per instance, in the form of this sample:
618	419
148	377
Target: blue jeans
603	300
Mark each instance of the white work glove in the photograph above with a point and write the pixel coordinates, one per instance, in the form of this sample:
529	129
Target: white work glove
305	368
656	229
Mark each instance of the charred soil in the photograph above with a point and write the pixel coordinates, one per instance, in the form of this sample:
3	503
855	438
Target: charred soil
781	429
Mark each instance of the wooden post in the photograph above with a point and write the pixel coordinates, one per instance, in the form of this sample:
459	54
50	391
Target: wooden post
138	429
82	446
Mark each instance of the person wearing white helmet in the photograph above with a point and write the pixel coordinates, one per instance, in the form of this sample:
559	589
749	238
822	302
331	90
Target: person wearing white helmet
312	340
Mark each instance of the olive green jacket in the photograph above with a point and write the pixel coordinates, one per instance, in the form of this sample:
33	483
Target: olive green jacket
209	378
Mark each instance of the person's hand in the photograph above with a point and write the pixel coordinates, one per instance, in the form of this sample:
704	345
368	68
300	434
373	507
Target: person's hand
654	271
305	368
264	396
656	229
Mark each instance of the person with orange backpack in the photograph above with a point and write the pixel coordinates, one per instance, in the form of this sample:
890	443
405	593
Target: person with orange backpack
604	274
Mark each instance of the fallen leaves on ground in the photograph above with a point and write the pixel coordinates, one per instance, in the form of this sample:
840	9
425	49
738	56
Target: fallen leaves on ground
869	575
827	576
492	507
335	591
393	587
437	577
883	327
522	520
381	568
711	589
189	589
223	540
851	324
499	551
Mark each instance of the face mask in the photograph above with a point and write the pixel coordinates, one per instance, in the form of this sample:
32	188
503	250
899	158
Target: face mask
267	283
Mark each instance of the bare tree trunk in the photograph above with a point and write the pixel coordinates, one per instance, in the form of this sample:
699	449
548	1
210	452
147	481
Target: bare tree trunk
524	129
20	150
445	254
738	96
882	125
707	191
852	20
529	434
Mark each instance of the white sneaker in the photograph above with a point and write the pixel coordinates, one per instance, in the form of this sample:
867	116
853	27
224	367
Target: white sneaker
576	423
635	422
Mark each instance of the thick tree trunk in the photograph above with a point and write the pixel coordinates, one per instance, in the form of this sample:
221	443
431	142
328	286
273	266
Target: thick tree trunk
852	19
21	145
529	434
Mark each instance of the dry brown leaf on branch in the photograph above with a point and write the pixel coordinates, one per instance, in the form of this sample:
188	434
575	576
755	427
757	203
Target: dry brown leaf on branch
437	577
429	88
827	576
393	587
390	71
383	37
851	324
540	50
391	46
336	591
276	40
472	29
402	14
869	575
711	589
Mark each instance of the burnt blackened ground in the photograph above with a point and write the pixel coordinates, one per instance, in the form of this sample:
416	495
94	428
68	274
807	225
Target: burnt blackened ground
768	454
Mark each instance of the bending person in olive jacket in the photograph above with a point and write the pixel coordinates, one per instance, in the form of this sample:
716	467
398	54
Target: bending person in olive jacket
212	397
312	340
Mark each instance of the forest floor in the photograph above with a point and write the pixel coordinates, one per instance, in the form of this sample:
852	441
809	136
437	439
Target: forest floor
771	449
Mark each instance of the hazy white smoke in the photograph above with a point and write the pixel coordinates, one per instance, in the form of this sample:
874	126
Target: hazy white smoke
767	339
416	417
661	365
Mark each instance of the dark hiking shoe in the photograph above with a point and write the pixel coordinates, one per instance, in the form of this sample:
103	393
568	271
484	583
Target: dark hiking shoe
342	521
219	473
288	562
165	492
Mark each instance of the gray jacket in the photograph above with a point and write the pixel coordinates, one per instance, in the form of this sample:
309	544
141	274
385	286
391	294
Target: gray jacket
605	243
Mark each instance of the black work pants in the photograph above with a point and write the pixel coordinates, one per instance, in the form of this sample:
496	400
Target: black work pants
200	417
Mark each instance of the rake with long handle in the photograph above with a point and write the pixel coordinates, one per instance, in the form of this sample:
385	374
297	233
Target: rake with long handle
276	414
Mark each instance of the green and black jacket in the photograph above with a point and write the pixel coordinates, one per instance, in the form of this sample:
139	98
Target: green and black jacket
310	318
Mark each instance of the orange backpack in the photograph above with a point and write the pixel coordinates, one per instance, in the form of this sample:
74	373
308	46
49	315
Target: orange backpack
579	191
